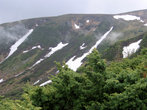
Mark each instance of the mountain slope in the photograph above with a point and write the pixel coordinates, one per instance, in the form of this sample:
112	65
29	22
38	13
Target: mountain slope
60	39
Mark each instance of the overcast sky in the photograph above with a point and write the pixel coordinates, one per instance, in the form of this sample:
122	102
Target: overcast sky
12	10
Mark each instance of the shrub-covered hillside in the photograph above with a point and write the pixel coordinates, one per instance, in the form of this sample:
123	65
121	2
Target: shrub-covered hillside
95	86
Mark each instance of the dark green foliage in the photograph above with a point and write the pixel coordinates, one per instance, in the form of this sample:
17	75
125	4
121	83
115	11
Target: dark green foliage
118	86
113	52
144	41
7	104
95	63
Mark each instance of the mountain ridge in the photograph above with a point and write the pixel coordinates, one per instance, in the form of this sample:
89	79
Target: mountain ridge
71	14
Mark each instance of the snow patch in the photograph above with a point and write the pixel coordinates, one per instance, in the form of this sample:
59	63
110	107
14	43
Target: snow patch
14	47
36	82
36	47
77	26
128	17
39	47
18	74
36	25
142	21
54	49
75	64
25	51
130	49
87	21
145	24
1	80
82	46
39	61
45	83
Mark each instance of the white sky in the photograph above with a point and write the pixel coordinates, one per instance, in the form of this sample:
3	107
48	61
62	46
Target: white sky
12	10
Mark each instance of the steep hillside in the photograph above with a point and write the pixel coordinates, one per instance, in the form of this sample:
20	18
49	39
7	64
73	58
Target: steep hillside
29	48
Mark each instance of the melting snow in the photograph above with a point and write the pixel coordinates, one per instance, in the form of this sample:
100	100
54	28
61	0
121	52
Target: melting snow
18	74
36	25
26	51
130	49
39	61
39	47
36	82
128	17
1	80
74	64
87	21
14	47
142	21
45	83
145	24
54	49
76	26
36	47
82	46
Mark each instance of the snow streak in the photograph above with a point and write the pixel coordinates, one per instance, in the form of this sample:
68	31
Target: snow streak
14	47
74	64
45	83
54	49
82	46
36	82
38	46
39	61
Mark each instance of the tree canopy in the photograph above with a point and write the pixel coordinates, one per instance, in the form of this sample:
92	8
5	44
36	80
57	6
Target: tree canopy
97	85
